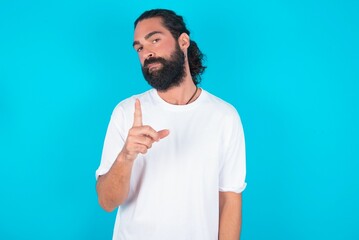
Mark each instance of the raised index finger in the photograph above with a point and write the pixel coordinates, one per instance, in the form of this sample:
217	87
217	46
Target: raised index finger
137	120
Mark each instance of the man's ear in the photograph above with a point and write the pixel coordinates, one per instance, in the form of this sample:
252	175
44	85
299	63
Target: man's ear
184	41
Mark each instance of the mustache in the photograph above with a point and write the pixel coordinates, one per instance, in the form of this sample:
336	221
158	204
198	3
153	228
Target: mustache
153	60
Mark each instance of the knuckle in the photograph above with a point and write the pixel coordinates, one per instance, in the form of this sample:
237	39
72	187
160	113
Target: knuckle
130	132
143	150
149	141
130	138
147	128
130	148
137	148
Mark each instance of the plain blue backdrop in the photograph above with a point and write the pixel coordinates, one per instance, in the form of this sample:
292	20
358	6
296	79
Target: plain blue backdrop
289	67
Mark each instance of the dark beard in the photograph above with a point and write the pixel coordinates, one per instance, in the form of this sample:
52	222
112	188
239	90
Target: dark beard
170	74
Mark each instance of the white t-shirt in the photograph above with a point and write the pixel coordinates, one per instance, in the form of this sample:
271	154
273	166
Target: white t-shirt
174	188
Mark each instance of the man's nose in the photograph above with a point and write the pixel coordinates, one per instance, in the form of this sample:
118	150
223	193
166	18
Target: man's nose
148	53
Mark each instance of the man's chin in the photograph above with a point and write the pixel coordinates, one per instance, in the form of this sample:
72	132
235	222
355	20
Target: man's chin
155	73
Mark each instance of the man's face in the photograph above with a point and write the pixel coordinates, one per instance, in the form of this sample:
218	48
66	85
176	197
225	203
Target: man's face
161	58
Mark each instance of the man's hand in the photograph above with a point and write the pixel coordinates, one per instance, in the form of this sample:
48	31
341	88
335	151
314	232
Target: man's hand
113	187
140	138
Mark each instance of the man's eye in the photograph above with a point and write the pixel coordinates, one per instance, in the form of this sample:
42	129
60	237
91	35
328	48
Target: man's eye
139	49
155	40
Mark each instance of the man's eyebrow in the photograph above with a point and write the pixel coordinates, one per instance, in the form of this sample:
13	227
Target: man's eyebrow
148	35
152	33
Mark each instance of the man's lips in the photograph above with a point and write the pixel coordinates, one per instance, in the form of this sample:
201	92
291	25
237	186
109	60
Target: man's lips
153	66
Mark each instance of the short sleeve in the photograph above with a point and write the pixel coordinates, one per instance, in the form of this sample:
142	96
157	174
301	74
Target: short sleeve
233	163
114	141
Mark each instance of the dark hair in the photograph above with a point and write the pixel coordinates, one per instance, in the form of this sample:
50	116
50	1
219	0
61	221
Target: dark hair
175	24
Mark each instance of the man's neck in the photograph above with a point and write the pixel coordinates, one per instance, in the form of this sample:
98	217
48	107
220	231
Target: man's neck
183	94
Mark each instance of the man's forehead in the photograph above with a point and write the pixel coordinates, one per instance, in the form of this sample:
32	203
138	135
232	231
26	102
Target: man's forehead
146	26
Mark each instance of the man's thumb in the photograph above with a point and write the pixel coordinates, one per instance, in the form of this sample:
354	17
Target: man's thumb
163	133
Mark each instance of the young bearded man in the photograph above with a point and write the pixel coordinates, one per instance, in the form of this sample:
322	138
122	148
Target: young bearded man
173	159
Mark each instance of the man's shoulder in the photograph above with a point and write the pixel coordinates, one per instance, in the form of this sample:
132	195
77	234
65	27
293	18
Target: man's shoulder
219	104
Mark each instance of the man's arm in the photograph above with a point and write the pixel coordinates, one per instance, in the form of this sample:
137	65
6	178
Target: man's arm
230	215
113	187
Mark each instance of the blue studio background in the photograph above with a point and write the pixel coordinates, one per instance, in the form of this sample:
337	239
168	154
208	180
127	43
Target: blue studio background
289	67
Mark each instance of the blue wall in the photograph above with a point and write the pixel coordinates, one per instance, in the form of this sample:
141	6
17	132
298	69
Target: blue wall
289	67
